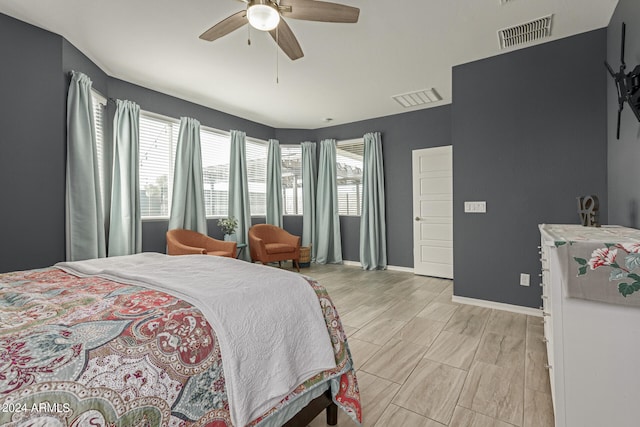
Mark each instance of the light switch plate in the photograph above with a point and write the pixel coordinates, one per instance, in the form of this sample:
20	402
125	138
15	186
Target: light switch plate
475	207
524	279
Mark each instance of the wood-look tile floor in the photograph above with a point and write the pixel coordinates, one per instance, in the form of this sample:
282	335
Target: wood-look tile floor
424	361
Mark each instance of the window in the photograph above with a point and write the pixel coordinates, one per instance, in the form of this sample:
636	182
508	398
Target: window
257	175
158	139
215	149
291	179
349	176
99	103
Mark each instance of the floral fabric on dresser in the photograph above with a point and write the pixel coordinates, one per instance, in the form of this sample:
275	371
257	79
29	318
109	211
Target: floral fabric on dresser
89	351
602	263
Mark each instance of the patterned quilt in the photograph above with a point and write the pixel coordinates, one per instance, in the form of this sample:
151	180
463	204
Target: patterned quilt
93	352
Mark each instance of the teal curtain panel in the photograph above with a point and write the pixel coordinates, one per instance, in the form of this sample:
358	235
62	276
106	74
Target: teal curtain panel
373	241
84	218
274	184
329	249
125	225
239	189
187	201
309	173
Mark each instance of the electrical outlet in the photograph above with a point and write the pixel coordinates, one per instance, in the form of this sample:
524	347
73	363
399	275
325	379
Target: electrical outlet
524	279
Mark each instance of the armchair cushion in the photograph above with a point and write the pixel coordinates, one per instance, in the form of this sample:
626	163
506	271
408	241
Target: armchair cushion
185	242
278	248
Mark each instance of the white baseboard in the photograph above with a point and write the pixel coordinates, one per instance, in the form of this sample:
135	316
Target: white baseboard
389	267
498	306
399	268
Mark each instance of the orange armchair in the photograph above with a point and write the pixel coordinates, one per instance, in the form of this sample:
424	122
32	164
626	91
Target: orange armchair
185	242
268	243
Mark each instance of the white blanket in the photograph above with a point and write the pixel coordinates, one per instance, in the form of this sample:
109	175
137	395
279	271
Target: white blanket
271	330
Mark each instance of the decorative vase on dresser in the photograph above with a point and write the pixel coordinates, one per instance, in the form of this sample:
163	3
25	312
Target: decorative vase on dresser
591	312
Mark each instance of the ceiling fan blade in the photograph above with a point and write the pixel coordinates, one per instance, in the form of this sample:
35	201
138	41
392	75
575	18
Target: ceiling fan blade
313	10
225	26
287	41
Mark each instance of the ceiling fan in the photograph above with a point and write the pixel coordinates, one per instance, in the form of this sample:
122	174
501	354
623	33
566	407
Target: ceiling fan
266	15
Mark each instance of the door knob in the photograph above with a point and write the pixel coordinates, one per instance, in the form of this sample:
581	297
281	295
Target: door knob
417	218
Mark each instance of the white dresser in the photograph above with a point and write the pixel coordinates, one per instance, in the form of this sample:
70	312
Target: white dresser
593	347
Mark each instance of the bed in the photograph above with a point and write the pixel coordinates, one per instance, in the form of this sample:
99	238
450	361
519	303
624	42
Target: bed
154	340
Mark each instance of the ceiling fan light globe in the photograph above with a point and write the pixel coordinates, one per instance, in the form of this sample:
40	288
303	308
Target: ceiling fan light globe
263	17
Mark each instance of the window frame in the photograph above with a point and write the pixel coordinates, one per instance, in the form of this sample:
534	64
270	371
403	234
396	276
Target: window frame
226	135
351	142
172	157
265	145
299	206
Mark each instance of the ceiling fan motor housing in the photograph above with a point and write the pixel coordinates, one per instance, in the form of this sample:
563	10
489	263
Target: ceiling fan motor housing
263	15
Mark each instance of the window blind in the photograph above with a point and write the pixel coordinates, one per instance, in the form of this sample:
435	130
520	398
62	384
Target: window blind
158	140
349	165
99	104
257	175
215	147
291	179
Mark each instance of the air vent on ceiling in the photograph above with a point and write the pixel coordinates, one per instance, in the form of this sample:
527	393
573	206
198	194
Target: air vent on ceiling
505	1
414	99
525	33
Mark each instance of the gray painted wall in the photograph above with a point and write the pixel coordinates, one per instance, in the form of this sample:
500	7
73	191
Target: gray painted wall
74	60
624	154
32	146
529	136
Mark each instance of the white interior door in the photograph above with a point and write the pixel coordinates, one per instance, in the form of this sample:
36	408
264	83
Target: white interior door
433	212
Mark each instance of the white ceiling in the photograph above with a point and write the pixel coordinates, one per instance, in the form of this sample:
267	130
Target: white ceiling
349	71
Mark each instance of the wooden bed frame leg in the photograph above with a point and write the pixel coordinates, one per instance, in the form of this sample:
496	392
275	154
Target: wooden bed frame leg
313	410
332	414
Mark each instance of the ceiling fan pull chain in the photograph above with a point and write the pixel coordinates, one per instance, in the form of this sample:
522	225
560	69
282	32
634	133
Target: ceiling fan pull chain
249	36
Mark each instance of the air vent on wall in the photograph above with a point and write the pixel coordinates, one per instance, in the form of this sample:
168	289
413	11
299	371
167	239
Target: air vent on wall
525	33
414	99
